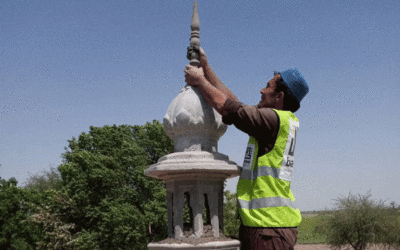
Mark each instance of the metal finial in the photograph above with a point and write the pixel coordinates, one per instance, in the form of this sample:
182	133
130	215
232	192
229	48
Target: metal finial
194	37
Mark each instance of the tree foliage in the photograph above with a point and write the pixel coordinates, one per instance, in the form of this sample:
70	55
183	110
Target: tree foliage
53	217
14	210
98	198
45	180
231	215
103	174
358	221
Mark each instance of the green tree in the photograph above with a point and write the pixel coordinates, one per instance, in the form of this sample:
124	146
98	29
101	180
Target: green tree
45	180
231	215
15	233
103	174
53	218
358	221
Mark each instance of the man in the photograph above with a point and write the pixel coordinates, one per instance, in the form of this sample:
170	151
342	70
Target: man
269	220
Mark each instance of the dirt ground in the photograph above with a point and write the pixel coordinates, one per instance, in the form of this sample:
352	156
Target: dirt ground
325	247
311	247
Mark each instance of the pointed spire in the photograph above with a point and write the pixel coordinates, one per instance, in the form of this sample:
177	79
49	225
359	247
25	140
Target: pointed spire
195	24
194	36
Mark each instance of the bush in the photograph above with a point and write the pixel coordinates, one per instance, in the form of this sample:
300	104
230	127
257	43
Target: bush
358	221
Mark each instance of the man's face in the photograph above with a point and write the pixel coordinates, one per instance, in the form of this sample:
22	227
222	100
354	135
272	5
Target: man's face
268	94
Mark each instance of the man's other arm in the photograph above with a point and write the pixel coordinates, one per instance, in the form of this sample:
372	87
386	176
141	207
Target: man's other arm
215	97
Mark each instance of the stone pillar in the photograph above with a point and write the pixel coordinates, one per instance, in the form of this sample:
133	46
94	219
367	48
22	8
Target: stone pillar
170	212
196	167
196	202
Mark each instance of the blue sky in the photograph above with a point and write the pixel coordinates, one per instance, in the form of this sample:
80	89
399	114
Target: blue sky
69	65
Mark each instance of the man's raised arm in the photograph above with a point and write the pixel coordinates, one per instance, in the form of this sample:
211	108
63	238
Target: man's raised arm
212	77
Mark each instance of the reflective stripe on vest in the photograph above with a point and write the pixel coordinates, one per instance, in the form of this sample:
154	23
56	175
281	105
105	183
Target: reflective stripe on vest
264	194
265	202
282	173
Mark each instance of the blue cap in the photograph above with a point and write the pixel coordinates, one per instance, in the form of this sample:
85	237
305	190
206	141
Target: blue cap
295	84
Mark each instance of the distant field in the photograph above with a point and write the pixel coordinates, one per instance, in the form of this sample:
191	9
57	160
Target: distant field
307	215
306	230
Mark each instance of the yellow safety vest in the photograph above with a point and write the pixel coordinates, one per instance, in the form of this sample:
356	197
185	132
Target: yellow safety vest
263	190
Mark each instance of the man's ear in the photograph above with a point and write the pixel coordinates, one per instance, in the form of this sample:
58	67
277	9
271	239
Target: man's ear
279	100
279	96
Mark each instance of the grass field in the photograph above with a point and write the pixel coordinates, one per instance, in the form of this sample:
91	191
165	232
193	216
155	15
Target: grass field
306	230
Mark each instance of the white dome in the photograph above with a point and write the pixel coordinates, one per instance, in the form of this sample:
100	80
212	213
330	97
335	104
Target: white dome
192	124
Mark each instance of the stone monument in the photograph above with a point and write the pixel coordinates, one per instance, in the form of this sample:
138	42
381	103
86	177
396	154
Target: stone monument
195	170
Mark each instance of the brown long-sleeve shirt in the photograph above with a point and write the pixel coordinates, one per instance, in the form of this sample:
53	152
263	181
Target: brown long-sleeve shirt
261	123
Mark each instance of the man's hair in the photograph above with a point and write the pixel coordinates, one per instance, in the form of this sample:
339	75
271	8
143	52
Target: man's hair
289	101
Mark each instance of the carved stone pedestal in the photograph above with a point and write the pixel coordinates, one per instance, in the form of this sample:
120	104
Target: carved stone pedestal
200	176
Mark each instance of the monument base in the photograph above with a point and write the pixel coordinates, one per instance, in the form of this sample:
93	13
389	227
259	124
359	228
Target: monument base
198	177
226	245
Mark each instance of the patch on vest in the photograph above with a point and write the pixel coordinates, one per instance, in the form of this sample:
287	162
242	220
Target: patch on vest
249	156
288	157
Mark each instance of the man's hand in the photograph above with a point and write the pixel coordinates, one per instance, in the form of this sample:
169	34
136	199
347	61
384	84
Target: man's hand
200	52
203	58
193	75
